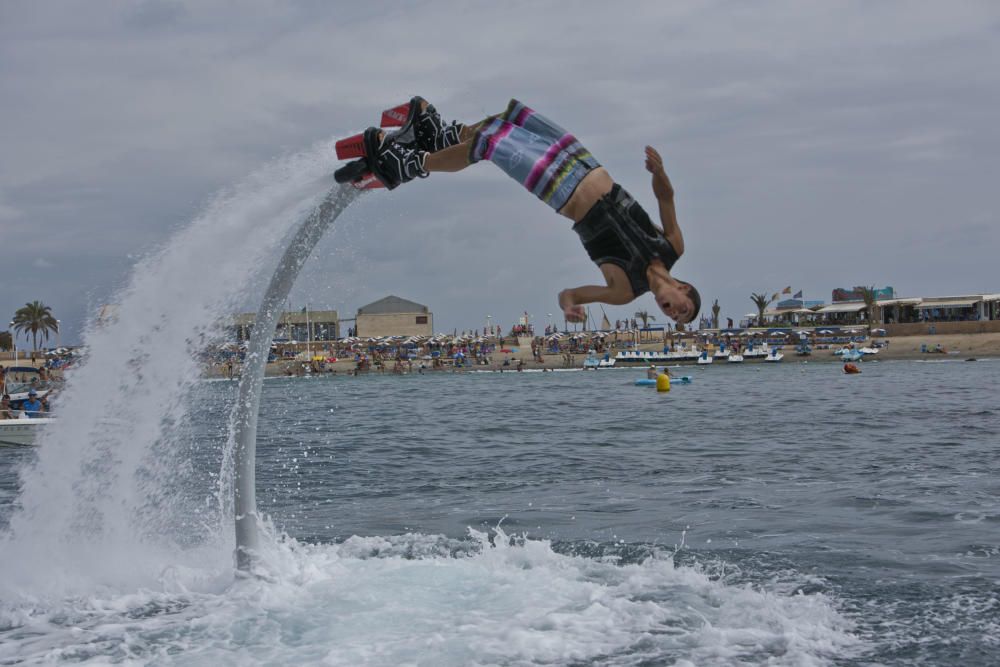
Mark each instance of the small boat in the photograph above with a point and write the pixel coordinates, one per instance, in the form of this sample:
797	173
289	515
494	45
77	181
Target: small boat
851	355
675	379
704	359
19	380
721	353
735	359
774	355
21	432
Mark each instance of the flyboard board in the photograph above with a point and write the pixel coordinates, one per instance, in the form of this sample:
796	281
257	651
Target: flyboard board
356	148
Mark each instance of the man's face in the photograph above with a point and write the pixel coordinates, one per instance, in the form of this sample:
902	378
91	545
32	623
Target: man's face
675	304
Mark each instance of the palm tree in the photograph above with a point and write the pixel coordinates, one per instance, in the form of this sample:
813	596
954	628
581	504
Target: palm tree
645	317
35	317
6	341
715	314
762	301
868	294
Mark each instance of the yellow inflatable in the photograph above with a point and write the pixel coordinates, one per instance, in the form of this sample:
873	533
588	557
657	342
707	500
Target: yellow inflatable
662	382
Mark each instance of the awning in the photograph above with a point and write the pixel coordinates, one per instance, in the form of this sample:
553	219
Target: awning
909	301
851	307
957	303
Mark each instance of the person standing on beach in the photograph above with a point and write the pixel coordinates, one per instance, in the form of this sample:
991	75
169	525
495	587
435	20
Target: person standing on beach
634	255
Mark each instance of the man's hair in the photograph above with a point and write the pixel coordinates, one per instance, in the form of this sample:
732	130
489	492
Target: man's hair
695	300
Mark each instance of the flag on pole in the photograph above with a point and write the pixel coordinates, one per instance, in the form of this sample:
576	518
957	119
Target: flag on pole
797	295
774	297
787	290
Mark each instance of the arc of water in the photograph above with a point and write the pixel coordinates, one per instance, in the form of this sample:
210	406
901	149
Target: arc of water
244	416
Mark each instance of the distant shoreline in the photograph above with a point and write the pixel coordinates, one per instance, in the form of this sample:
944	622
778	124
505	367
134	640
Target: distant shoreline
957	347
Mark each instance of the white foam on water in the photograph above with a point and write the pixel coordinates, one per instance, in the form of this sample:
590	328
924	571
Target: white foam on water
428	600
99	507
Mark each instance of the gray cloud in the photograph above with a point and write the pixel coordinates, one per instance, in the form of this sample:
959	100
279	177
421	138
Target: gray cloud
818	145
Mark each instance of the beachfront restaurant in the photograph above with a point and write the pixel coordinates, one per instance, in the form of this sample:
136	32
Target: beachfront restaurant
951	309
794	316
843	313
294	326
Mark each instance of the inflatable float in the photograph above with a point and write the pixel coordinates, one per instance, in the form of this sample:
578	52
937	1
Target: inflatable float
646	382
851	369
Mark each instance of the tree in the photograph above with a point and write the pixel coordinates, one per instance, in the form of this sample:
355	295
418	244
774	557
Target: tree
868	294
761	301
715	314
35	318
6	341
645	317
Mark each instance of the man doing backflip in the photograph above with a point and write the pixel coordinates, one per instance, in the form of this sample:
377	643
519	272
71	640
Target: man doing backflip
634	255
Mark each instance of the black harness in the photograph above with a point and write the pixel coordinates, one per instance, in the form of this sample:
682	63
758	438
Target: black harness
616	230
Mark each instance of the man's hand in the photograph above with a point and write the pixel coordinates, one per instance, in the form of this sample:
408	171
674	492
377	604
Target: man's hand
571	311
662	188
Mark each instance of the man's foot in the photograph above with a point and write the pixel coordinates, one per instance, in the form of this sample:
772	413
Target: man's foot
431	132
423	128
392	162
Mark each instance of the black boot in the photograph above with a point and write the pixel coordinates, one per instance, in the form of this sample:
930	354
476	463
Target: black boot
392	162
432	133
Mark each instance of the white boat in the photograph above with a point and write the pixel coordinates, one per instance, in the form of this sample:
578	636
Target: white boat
869	350
735	359
704	359
754	353
19	380
774	356
721	353
21	432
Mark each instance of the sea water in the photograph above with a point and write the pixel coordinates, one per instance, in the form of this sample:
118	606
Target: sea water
765	514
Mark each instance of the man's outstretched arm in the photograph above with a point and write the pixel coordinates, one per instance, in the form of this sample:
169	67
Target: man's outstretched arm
664	193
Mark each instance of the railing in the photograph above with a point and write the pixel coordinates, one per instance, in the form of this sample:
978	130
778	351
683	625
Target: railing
932	328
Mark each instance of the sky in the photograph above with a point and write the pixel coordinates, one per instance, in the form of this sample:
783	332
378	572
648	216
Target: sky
811	144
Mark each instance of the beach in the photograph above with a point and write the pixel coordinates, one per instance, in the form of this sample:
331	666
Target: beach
964	346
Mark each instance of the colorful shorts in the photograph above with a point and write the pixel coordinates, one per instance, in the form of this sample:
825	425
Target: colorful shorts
535	152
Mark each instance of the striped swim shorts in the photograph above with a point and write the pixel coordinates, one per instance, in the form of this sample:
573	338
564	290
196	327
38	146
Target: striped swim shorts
535	152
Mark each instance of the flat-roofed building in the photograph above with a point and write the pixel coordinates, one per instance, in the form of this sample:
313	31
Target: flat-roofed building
394	316
295	326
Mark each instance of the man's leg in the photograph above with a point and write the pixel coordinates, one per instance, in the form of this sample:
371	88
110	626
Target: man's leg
457	157
451	159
